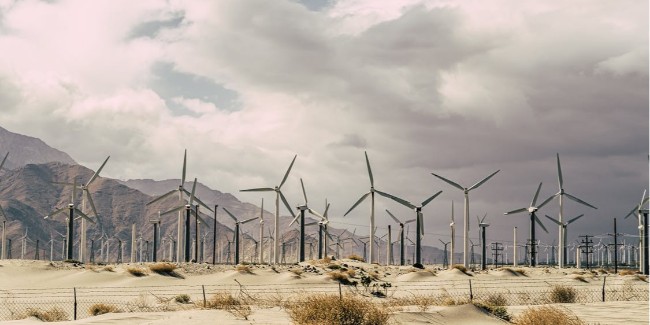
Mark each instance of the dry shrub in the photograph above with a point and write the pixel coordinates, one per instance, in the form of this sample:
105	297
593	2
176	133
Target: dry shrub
461	268
602	271
356	258
137	271
54	314
581	279
547	315
352	273
226	301
497	311
520	271
374	275
100	309
325	309
108	268
163	268
243	268
642	277
340	277
297	272
183	298
325	260
563	294
495	299
333	266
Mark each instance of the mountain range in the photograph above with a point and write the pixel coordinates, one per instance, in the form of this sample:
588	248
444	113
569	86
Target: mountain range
28	194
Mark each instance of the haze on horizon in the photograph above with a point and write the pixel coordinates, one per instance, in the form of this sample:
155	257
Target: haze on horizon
459	88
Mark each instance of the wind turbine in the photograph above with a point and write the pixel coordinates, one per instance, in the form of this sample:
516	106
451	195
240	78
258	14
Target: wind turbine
445	261
188	211
303	208
452	225
560	195
85	197
402	243
181	190
23	245
466	191
564	226
261	241
419	225
278	196
532	209
371	193
237	232
642	216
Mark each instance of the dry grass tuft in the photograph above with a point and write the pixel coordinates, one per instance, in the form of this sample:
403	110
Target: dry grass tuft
581	278
183	299
351	273
332	310
356	258
108	268
341	277
297	272
226	301
461	268
325	260
563	294
166	269
54	314
137	271
243	268
100	309
547	315
495	299
642	277
521	271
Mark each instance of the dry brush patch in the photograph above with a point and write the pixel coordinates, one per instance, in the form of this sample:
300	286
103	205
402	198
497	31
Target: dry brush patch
226	301
326	309
137	271
166	269
100	309
244	268
54	314
547	315
356	257
563	294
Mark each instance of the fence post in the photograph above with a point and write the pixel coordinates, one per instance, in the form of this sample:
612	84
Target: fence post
471	294
340	293
204	302
75	303
604	279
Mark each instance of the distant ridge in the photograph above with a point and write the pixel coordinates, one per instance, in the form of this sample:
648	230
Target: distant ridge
28	150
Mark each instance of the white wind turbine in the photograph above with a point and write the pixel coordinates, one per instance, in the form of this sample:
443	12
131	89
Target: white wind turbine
640	214
452	225
532	209
466	216
372	207
560	194
278	196
86	197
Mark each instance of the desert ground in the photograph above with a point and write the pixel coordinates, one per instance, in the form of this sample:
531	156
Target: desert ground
183	293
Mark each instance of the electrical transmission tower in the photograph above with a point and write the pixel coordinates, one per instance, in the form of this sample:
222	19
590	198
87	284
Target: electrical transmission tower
587	247
497	249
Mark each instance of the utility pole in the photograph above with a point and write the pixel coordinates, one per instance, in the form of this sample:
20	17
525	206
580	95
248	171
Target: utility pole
497	249
214	236
586	247
616	244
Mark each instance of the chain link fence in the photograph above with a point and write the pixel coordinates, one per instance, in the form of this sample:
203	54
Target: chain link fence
82	302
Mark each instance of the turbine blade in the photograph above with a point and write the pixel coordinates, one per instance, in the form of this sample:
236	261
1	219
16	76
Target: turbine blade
392	216
288	170
205	224
231	215
539	222
555	221
516	211
162	197
180	207
90	200
632	212
184	168
372	180
579	201
574	219
295	219
64	183
409	221
396	199
83	215
98	171
425	202
198	200
452	211
532	203
546	201
327	207
643	199
55	212
260	189
483	219
286	204
247	220
482	181
315	213
2	213
304	193
191	200
559	173
449	182
357	203
4	159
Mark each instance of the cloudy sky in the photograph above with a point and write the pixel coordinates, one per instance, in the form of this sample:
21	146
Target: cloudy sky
459	88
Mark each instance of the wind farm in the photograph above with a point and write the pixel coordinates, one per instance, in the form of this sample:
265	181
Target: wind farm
176	162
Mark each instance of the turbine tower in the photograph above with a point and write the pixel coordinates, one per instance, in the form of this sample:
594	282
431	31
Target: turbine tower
641	215
371	193
532	209
452	225
303	208
4	217
561	194
466	216
278	196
